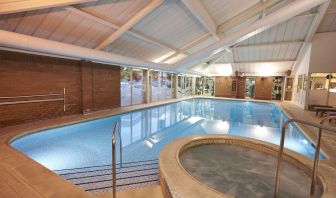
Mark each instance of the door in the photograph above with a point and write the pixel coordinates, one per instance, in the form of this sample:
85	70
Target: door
250	87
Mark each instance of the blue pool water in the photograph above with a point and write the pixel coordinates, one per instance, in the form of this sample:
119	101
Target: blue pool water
145	132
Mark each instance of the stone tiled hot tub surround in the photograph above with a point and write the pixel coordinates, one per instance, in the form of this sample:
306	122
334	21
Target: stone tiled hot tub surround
177	182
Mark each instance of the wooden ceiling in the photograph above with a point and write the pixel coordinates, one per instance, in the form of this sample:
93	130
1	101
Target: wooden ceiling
164	30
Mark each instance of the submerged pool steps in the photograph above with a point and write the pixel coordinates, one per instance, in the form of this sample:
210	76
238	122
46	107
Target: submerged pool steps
99	178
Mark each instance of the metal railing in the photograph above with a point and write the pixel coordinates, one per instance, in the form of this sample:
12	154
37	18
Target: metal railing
320	126
114	165
29	99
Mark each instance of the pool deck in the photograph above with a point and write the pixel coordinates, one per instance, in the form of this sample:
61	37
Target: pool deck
23	177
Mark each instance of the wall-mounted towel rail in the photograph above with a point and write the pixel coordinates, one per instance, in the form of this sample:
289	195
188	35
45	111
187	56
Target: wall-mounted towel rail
42	98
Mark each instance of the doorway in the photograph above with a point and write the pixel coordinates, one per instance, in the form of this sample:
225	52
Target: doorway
250	87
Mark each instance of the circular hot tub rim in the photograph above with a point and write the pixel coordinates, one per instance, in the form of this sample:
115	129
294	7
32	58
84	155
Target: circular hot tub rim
176	148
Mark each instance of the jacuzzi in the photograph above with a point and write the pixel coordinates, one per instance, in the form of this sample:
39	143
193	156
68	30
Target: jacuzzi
226	166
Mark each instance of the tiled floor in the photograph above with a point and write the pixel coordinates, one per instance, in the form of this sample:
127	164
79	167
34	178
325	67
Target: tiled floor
146	192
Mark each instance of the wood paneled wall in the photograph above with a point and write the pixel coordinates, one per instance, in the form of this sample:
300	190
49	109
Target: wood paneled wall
241	87
89	87
224	86
263	88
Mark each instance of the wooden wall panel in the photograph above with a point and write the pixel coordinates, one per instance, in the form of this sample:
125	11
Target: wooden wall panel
263	90
224	86
241	81
88	87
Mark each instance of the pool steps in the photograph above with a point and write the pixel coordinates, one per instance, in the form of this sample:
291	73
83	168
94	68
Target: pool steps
98	179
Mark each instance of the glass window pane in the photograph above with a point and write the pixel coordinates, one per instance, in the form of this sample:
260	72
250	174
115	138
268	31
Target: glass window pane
332	85
137	86
125	87
188	86
162	86
168	87
199	86
179	86
155	75
318	81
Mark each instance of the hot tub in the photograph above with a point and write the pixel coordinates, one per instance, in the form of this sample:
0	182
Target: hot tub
226	166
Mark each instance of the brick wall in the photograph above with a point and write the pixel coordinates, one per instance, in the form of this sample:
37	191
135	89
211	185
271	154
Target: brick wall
88	86
106	87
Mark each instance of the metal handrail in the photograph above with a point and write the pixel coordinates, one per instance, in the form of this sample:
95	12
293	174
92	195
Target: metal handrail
317	150
114	168
33	101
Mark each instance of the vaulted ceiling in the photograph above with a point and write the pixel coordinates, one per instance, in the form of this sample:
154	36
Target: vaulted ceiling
175	33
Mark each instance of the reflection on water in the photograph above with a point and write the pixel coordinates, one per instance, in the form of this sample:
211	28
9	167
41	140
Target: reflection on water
144	133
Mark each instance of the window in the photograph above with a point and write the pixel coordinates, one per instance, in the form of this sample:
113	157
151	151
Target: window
204	86
209	86
125	87
132	86
199	86
179	86
138	87
184	86
300	81
305	81
187	86
162	86
234	86
332	85
168	87
155	77
319	81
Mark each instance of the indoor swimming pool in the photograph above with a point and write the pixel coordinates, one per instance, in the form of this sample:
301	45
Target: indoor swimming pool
145	132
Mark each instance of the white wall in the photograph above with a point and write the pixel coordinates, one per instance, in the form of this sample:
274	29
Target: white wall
323	53
323	60
320	57
299	96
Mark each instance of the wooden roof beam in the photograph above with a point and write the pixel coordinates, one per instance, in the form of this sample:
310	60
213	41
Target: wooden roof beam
311	32
277	17
254	10
271	43
197	9
129	24
245	15
188	46
107	21
8	7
